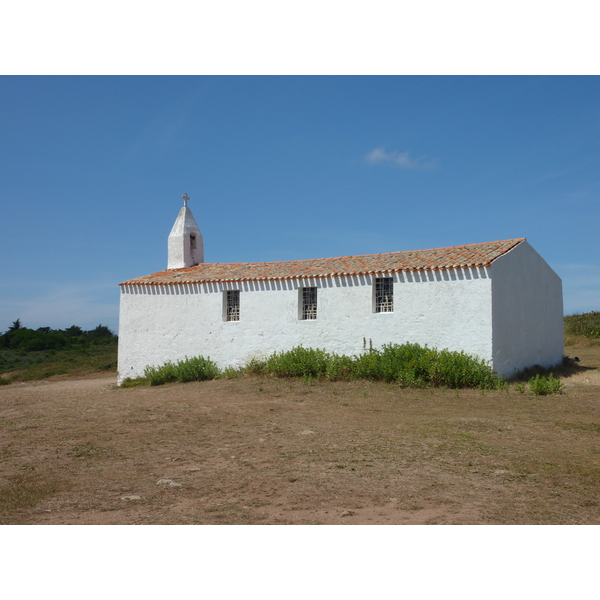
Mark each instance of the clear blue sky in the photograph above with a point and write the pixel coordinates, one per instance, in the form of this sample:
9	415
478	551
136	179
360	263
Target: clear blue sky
277	168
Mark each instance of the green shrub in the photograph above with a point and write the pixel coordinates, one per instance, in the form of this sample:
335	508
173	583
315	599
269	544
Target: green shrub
231	373
339	367
587	324
297	362
411	365
198	368
406	364
542	386
161	375
4	381
256	366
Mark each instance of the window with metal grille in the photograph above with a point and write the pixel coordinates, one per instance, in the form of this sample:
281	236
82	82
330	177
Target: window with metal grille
309	304
232	308
384	294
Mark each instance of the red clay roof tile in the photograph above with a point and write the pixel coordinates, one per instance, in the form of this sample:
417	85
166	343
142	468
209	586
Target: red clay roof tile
455	257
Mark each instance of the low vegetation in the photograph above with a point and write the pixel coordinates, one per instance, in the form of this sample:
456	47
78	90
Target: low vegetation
27	354
408	365
25	490
184	371
540	385
586	325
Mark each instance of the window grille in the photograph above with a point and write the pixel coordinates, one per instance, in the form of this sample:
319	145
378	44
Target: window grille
309	303
233	305
384	294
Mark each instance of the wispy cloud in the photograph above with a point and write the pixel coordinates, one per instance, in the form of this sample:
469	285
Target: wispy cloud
402	160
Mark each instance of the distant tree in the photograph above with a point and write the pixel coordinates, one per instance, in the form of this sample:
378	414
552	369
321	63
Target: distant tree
101	335
16	325
43	341
74	331
100	331
44	329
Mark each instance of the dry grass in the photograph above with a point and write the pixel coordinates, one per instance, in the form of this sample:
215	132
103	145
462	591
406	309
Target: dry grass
254	450
26	490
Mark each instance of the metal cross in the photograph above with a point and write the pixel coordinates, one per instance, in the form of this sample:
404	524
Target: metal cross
185	199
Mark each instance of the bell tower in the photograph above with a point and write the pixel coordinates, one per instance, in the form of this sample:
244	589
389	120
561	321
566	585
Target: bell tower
186	246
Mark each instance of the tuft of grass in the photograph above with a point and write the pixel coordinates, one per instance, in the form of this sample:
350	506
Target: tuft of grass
578	426
232	373
197	368
4	381
87	450
297	362
25	490
129	382
542	386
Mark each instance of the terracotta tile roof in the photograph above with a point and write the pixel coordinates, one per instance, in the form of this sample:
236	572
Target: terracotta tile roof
473	255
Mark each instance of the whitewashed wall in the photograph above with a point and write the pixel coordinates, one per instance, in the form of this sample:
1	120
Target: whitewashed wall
443	309
180	251
527	311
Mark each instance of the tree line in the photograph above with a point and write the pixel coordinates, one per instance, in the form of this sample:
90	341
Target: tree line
45	338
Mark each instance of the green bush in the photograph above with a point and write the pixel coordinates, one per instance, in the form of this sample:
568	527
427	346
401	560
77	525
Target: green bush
44	338
198	368
256	366
542	386
411	365
4	381
587	324
231	373
339	367
406	364
161	375
297	362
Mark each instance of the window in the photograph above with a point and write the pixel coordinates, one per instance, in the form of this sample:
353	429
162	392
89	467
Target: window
309	304
384	294
232	305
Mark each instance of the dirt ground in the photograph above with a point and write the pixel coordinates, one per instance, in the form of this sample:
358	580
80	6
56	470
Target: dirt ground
267	451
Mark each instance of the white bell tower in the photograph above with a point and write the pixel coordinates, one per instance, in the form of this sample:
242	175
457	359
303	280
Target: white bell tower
186	246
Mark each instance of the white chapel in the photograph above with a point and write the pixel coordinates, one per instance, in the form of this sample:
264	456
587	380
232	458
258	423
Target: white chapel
499	301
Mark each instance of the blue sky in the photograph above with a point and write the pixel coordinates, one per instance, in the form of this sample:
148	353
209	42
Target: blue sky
285	167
